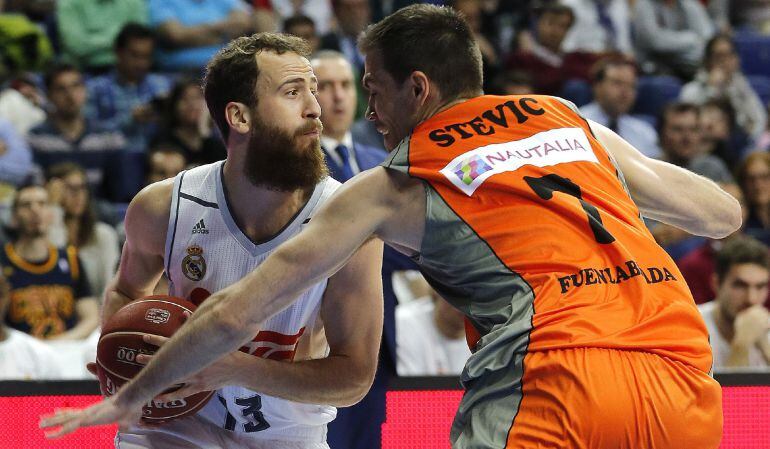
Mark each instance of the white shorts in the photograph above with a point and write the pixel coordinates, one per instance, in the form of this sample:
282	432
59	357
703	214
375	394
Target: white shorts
195	433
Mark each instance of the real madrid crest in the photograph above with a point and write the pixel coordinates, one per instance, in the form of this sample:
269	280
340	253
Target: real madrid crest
194	265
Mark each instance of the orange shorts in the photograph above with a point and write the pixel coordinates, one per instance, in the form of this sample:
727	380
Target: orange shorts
611	399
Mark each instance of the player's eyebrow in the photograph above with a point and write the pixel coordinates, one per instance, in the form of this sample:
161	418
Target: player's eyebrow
298	80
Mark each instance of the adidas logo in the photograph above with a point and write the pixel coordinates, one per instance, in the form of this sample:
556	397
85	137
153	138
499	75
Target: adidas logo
200	228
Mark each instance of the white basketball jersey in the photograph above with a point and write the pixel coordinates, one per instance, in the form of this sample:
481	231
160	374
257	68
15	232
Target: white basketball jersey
206	252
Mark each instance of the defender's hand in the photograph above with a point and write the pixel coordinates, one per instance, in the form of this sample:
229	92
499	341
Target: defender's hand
106	412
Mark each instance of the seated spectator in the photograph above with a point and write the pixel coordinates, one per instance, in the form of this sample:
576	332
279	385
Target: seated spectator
50	297
753	15
22	357
614	86
319	12
67	134
186	125
601	26
191	31
430	338
737	319
512	82
96	242
721	135
721	78
352	17
698	265
669	35
304	27
21	103
754	178
679	129
15	157
164	161
472	10
87	29
544	57
25	46
124	99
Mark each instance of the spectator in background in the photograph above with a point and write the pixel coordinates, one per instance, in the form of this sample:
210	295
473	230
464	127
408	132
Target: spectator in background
721	135
512	82
472	10
669	35
50	297
15	159
96	242
304	27
679	129
614	86
319	11
698	265
753	15
191	31
737	320
22	357
21	104
431	338
543	55
123	99
754	178
601	26
352	17
67	133
721	78
163	162
87	29
186	125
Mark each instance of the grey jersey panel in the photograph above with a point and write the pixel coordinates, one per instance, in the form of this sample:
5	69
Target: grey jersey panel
466	272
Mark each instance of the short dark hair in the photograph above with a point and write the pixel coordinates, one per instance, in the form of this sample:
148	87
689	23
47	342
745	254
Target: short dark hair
553	7
599	70
297	20
28	184
232	73
54	71
675	107
132	31
708	51
432	39
741	250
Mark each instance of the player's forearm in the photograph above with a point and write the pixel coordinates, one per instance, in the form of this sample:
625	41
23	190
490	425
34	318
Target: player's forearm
336	380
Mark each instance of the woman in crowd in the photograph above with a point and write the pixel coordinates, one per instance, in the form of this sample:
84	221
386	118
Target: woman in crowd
754	178
97	242
187	125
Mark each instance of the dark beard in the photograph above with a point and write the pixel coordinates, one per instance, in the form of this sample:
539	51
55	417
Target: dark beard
275	160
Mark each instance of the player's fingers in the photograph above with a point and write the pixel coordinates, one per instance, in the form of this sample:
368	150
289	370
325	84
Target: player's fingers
144	358
59	417
91	367
68	427
155	340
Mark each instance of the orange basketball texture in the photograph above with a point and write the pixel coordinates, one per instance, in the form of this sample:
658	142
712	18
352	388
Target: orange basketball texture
121	341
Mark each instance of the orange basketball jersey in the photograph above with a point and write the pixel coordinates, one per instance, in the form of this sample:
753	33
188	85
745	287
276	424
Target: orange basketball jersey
531	232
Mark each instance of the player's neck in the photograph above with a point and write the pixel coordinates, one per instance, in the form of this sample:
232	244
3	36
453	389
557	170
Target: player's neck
32	249
259	212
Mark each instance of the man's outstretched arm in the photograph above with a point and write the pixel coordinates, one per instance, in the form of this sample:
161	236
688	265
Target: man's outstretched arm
230	317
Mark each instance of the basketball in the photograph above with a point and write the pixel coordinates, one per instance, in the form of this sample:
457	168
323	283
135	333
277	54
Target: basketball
121	341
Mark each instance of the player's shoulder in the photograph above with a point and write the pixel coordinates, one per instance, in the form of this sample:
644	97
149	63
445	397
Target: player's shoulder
148	213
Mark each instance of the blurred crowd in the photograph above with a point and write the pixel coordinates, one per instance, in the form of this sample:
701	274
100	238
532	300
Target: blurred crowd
99	98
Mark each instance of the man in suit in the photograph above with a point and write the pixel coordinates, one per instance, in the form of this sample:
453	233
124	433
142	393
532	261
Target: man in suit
356	427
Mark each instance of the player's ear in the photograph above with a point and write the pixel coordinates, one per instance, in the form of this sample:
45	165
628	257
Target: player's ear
420	86
238	117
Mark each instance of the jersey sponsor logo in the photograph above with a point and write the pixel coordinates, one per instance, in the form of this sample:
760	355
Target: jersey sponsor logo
557	146
200	228
157	316
274	345
615	275
194	265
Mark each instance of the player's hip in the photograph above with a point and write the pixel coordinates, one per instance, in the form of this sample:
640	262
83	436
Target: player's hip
591	398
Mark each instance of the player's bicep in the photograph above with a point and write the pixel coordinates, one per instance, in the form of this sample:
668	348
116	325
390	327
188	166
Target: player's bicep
352	307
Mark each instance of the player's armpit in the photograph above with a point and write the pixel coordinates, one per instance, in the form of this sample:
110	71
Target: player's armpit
671	194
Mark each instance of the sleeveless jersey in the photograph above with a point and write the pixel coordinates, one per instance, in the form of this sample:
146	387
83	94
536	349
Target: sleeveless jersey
43	296
206	252
530	231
